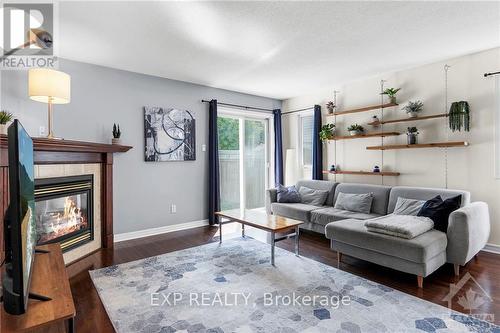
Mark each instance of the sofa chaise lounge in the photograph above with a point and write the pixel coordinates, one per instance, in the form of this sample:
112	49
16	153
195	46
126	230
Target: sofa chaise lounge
468	227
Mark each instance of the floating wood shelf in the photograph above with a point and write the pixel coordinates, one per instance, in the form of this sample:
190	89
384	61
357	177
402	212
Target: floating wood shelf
441	115
368	108
368	135
421	145
365	173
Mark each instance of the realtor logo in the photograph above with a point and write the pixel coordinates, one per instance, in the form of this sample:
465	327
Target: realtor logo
28	35
472	299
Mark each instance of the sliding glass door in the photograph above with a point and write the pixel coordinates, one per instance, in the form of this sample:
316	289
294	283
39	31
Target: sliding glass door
243	156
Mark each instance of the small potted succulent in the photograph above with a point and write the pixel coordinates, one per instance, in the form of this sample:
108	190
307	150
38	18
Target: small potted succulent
391	93
5	117
355	129
327	132
330	106
412	135
412	109
116	134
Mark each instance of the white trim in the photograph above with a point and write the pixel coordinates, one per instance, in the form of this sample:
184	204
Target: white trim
497	127
493	248
158	231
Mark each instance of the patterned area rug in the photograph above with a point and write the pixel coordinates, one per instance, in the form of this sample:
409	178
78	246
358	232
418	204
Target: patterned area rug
233	288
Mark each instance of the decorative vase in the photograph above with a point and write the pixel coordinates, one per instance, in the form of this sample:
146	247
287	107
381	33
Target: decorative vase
353	133
392	99
412	114
376	168
3	129
115	141
375	121
332	168
412	138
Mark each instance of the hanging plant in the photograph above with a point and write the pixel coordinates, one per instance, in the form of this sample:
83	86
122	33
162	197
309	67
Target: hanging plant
459	116
327	132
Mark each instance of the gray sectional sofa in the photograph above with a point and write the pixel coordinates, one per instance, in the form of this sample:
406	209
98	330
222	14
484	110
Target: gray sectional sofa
467	233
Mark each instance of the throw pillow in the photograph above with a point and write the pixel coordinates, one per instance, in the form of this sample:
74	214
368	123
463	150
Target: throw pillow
287	194
361	203
313	197
406	206
439	211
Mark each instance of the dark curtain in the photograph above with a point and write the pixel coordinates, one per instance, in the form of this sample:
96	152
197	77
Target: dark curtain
278	148
213	167
317	167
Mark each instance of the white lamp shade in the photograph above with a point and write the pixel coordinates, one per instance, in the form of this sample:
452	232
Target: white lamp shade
48	85
291	167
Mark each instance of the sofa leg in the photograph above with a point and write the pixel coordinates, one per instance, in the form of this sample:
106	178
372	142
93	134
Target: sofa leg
339	259
420	281
456	268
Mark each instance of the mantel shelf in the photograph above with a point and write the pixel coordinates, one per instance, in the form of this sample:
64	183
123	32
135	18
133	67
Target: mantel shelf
367	108
43	144
368	135
441	115
421	145
364	173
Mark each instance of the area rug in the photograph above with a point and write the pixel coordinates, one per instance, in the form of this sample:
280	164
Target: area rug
233	288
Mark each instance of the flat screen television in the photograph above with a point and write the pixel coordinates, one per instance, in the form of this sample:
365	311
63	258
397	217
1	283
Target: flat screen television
19	221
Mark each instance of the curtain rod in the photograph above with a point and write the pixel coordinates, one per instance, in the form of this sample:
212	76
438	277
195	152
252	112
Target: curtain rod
305	109
489	74
240	106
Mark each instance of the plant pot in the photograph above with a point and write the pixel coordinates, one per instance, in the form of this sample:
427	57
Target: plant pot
116	141
392	99
3	129
412	138
330	110
412	114
353	133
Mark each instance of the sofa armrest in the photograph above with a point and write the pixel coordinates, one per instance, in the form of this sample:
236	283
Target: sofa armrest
271	196
468	232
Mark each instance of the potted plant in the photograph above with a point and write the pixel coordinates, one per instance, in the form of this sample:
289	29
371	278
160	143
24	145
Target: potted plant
5	117
330	106
391	93
413	108
459	116
412	135
116	134
327	132
355	129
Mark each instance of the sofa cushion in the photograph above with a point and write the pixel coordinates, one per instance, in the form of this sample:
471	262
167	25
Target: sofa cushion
380	194
287	194
361	203
320	185
422	193
439	211
326	215
406	206
297	211
313	197
419	249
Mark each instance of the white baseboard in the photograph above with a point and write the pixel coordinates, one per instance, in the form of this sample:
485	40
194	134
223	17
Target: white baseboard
158	231
493	248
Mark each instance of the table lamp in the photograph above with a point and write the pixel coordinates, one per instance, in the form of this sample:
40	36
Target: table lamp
51	87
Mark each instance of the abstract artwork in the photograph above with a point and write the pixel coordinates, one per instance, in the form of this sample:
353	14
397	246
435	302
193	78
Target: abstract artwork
169	134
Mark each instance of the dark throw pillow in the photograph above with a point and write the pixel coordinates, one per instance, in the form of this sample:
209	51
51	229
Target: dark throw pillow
438	210
287	194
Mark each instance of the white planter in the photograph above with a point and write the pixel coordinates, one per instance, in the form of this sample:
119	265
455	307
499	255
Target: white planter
412	114
3	129
353	133
116	141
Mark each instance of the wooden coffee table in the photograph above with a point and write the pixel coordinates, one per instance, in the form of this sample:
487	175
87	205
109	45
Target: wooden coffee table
271	223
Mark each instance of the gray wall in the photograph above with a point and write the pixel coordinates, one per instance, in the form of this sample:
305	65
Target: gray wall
143	192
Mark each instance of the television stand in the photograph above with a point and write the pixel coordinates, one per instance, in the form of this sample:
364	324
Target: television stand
56	312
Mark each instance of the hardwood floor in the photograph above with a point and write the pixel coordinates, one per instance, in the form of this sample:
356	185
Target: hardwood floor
91	316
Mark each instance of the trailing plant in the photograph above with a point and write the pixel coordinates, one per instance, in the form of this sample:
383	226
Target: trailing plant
5	117
327	131
459	116
116	131
355	127
412	130
391	92
414	107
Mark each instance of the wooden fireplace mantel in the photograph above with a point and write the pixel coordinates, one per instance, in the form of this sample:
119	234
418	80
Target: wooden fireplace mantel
68	152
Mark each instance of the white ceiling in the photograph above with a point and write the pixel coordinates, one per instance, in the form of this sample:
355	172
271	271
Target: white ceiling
275	49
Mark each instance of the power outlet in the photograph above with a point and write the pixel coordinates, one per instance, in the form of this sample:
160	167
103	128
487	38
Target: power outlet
173	209
203	147
42	131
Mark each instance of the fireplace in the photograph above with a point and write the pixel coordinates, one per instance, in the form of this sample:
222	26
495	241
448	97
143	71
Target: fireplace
63	210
